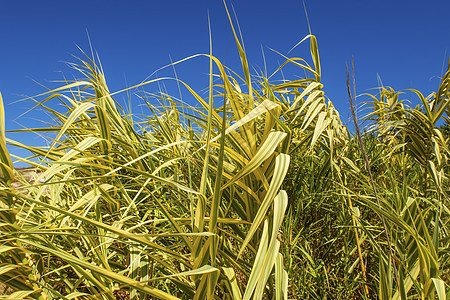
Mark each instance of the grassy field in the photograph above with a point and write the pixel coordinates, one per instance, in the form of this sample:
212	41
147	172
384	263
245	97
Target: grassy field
256	192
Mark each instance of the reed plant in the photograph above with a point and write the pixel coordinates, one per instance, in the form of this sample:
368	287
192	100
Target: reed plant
257	191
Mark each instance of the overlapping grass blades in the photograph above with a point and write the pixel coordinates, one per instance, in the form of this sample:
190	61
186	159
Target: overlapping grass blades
256	191
416	199
166	210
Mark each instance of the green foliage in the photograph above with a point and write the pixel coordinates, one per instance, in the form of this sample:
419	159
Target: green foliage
258	192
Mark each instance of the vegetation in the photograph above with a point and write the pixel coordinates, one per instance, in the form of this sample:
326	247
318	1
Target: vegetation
258	192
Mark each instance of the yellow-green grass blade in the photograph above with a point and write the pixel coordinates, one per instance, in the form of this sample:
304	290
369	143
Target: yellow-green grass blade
6	165
266	150
65	163
285	285
135	268
268	263
103	272
19	295
294	60
175	224
64	231
316	86
257	265
105	128
279	277
77	112
243	57
213	277
315	56
281	168
123	234
54	92
83	145
265	106
243	185
440	288
409	281
322	123
279	207
206	269
435	174
99	286
76	295
147	154
312	101
214	213
425	103
317	106
429	264
232	283
90	197
210	280
204	179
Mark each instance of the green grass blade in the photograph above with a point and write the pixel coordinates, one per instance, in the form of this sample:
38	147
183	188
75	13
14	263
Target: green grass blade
281	168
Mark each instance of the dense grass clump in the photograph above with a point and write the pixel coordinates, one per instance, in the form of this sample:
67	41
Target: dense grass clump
258	191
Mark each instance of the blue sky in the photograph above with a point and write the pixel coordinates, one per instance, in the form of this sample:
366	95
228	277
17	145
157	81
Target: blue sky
404	42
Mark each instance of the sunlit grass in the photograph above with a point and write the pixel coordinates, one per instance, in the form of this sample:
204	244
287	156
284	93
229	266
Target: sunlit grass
257	191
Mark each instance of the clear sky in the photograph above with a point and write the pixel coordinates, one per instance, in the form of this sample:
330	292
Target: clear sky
406	43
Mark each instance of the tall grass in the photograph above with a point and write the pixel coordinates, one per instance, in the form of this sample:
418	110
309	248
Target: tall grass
256	192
